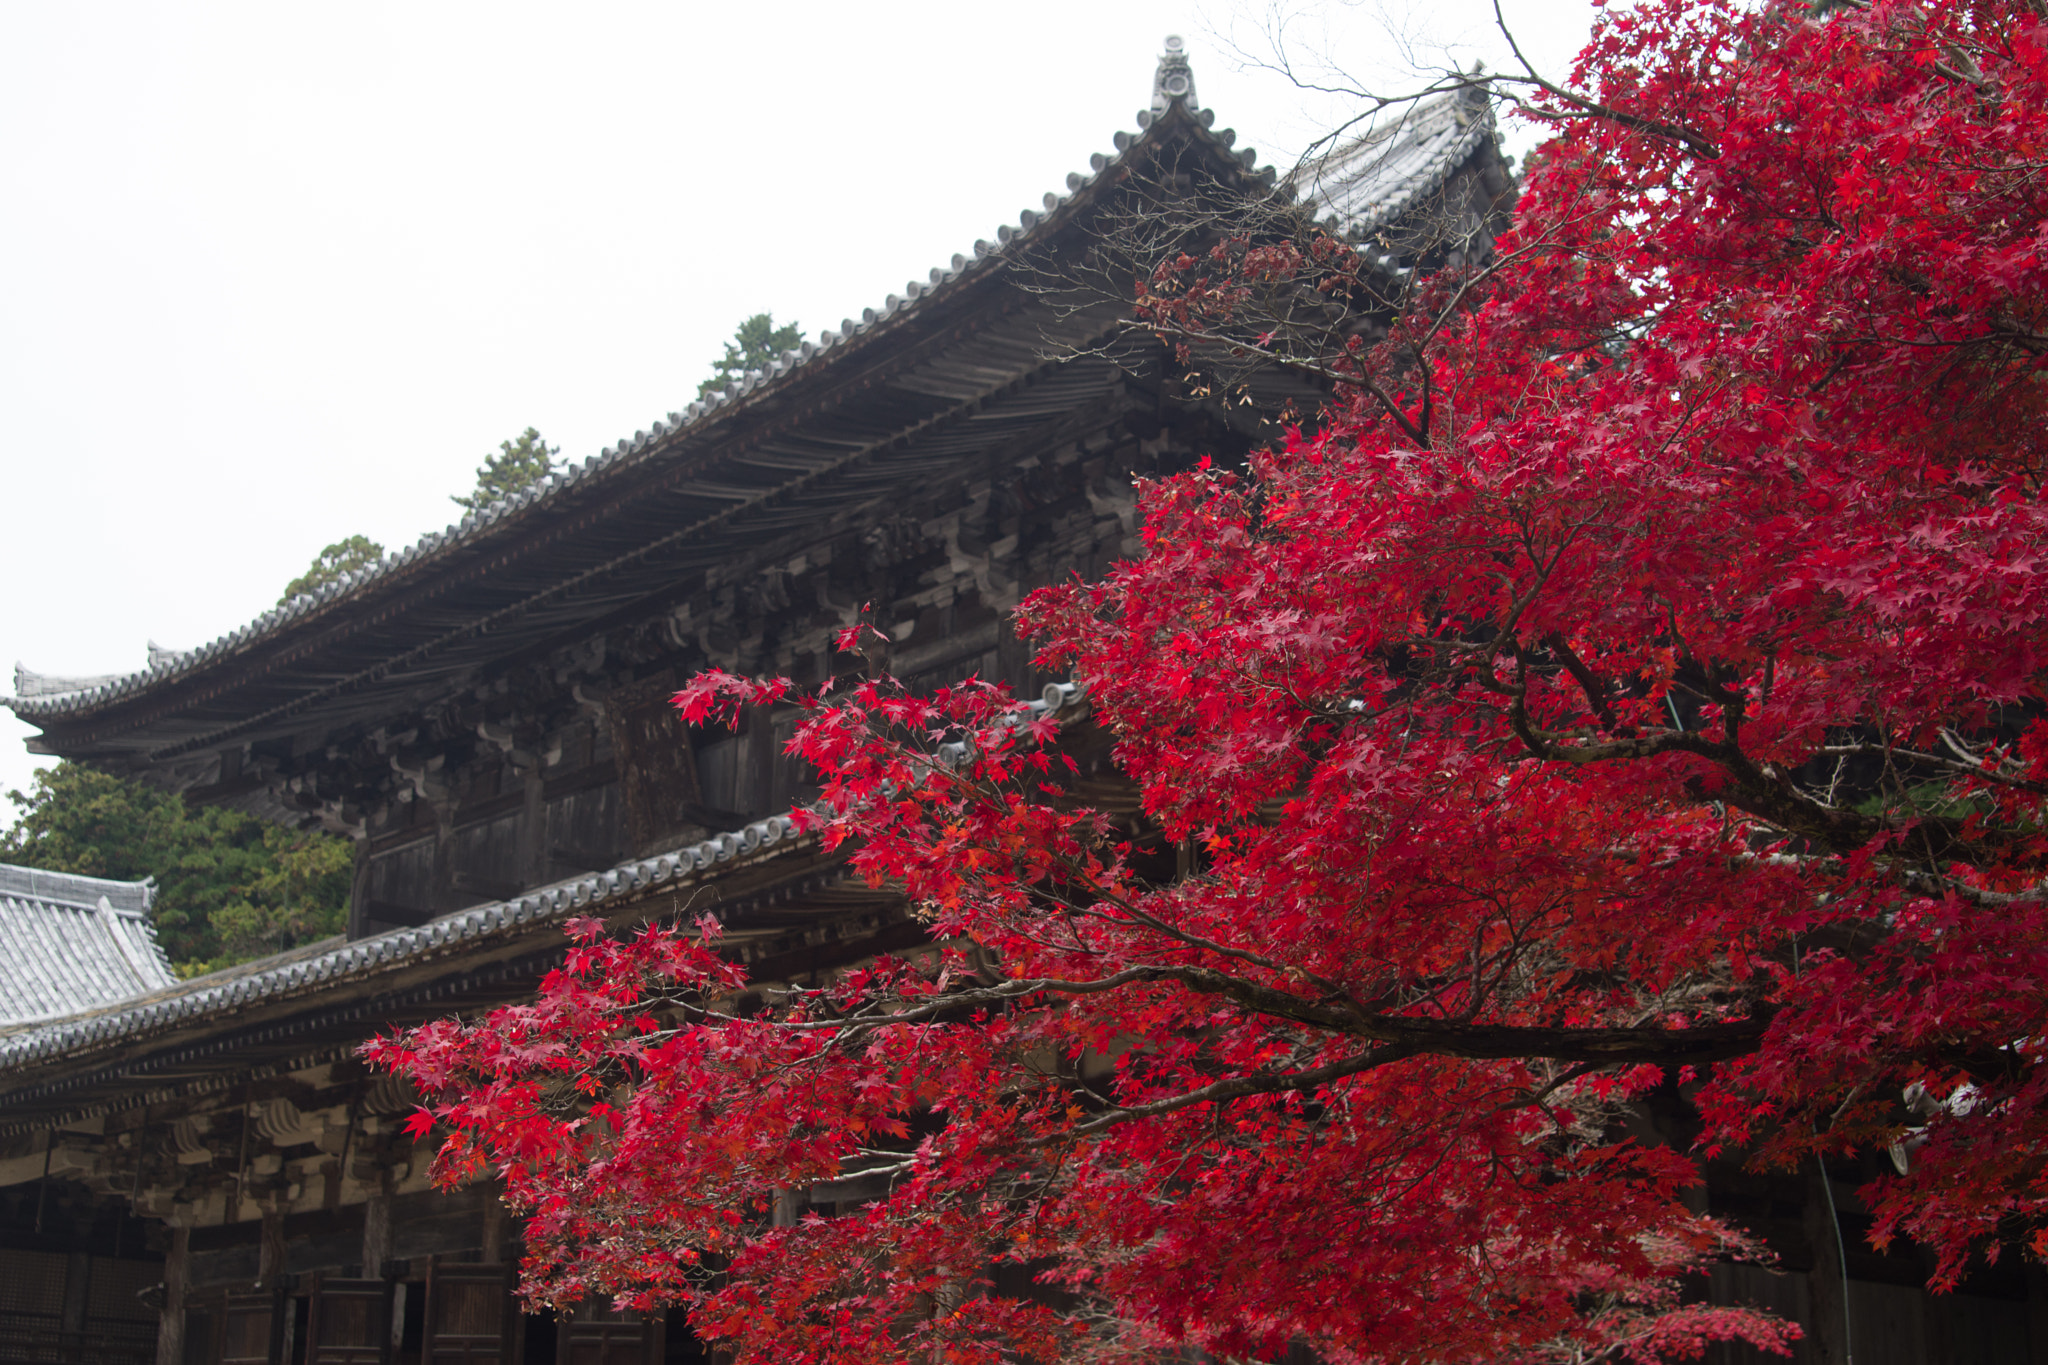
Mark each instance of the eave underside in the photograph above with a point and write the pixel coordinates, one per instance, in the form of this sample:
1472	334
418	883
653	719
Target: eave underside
982	394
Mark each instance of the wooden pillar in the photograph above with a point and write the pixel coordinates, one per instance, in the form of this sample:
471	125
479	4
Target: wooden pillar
359	891
376	1234
77	1286
753	794
2037	1312
1825	1285
533	829
441	895
170	1331
494	1227
1937	1320
270	1251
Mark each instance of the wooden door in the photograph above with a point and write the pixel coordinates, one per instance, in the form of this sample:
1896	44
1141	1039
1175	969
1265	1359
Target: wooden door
470	1316
349	1322
250	1329
593	1336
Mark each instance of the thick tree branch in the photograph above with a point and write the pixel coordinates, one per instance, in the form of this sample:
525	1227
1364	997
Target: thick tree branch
1418	1035
1239	1087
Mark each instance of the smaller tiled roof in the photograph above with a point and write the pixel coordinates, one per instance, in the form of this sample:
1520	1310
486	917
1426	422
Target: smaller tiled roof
28	683
1371	181
71	943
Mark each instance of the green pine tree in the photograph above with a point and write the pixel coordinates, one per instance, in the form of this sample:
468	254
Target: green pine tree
521	462
755	345
229	886
344	556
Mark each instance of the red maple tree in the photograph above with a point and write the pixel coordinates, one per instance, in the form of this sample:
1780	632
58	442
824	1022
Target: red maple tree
1634	680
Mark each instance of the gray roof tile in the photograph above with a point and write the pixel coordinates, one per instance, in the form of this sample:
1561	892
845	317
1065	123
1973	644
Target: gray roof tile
117	1012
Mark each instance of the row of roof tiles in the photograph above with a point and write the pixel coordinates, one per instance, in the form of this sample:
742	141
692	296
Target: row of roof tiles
170	1002
1372	181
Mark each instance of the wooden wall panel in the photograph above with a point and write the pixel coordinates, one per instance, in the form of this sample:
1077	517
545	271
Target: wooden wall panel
486	858
349	1322
584	831
249	1329
471	1318
593	1336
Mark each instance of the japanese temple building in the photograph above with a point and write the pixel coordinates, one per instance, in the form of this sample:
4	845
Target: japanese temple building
201	1171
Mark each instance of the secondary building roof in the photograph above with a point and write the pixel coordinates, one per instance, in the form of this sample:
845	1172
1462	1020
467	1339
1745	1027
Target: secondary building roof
1368	183
71	943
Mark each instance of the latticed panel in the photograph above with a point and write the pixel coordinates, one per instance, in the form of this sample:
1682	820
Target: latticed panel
32	1282
115	1294
31	1305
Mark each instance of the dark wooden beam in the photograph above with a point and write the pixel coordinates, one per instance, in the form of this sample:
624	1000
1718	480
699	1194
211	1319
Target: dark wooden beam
389	912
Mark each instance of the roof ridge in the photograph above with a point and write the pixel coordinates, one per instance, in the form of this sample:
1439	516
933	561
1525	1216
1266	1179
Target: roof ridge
78	890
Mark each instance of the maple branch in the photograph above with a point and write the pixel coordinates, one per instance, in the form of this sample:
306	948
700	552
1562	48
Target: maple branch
1357	378
1764	790
1244	955
1001	993
1934	883
1591	1048
1079	874
1238	1087
1692	141
1960	767
1593	687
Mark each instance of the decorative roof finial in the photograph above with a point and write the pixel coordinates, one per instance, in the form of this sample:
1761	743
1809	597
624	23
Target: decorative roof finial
1173	81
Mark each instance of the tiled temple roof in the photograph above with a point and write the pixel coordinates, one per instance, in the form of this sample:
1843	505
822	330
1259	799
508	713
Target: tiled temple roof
38	696
70	944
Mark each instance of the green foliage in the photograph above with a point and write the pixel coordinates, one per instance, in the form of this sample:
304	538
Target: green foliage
755	345
519	464
344	556
229	886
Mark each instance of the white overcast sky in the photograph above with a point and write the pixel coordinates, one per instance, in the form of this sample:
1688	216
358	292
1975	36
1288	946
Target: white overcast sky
276	273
